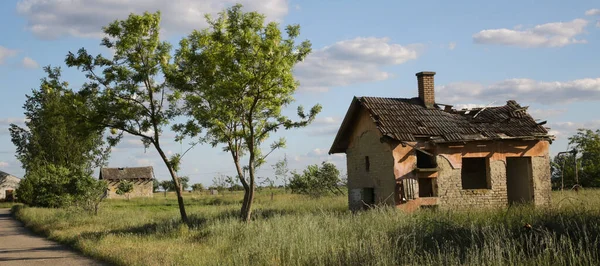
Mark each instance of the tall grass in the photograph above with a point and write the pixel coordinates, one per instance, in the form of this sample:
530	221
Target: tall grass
297	230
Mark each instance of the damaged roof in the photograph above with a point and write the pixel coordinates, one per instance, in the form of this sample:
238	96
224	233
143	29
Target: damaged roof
143	173
408	120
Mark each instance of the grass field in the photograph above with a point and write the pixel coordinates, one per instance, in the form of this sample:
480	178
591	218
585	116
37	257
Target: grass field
297	230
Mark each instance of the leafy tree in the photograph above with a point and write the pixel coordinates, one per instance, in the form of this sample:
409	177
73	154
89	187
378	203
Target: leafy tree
92	193
124	188
282	171
317	181
236	76
586	144
167	185
198	187
57	148
125	92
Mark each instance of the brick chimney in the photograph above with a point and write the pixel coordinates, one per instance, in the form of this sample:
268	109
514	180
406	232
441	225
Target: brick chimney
426	88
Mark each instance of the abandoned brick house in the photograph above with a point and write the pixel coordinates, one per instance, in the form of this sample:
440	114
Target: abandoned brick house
141	177
412	153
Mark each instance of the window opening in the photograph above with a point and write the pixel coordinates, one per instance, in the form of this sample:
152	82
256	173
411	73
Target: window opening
474	173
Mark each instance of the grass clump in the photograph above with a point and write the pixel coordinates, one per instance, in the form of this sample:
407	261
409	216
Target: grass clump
300	230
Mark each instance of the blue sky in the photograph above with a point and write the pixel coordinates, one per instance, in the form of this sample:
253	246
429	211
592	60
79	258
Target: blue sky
541	53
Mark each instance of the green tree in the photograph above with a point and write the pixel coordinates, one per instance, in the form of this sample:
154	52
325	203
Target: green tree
317	181
586	143
236	76
198	187
126	92
57	148
282	171
167	185
124	188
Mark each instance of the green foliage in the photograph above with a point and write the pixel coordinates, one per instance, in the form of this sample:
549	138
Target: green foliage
54	186
282	171
55	133
169	185
235	77
58	148
126	93
198	187
317	181
587	145
124	187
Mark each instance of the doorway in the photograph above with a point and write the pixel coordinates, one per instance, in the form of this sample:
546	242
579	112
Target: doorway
519	180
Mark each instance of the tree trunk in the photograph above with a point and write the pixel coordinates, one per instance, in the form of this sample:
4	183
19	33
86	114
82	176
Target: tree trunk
184	217
248	190
247	206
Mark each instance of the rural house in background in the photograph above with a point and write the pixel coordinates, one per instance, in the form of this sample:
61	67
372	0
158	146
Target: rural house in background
141	177
412	153
8	185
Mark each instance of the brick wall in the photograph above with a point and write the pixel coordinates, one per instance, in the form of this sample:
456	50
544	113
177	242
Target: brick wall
450	189
426	86
365	141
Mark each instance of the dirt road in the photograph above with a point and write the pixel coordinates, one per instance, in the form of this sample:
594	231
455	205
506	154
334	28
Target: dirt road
18	246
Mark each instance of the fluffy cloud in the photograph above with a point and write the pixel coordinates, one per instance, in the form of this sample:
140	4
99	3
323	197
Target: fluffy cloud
6	53
4	164
525	90
563	130
49	19
29	63
556	34
594	12
352	61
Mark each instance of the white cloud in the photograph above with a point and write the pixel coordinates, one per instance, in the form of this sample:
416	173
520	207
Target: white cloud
29	63
50	19
6	53
545	113
352	61
4	164
593	12
451	46
521	89
556	34
563	130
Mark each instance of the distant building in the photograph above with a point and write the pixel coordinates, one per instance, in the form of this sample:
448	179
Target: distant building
411	153
8	185
141	177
